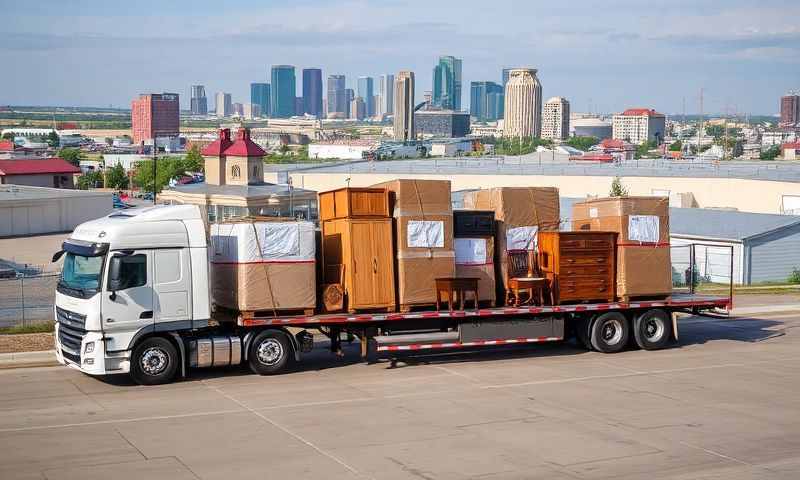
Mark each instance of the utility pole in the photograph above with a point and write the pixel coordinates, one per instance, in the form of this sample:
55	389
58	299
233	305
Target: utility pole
700	123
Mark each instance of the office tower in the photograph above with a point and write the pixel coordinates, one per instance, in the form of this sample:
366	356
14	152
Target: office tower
486	101
251	110
447	83
441	123
283	91
223	104
155	115
298	106
358	109
366	92
523	104
505	76
386	91
312	91
639	125
790	110
555	119
259	95
404	106
349	95
238	109
198	103
337	102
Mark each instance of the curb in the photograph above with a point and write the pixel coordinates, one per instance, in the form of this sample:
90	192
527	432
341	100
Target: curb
44	358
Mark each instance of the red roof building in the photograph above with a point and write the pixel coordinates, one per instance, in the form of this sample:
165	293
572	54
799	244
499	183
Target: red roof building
239	162
593	157
791	151
155	115
38	172
642	111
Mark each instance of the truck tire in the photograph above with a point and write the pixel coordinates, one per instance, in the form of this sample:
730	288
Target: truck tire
270	352
610	332
651	329
154	361
582	326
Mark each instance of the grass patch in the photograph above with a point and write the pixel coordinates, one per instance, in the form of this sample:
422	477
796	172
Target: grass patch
40	327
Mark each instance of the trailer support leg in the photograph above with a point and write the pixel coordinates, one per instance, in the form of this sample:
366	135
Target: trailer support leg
336	341
366	338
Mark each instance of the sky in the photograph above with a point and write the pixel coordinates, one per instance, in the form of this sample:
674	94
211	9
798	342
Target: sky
604	56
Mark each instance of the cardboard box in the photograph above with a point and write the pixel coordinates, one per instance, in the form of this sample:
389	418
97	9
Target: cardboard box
520	213
475	258
263	265
644	266
423	225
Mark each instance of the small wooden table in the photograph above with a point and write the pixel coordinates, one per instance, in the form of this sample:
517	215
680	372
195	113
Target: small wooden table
531	285
456	288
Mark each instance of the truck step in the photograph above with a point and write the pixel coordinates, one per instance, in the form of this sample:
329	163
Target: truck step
415	338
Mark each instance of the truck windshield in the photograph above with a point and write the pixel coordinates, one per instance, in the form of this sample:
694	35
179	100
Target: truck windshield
80	276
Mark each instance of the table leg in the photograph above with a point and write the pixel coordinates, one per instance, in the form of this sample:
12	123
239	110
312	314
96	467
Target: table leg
438	298
461	292
450	299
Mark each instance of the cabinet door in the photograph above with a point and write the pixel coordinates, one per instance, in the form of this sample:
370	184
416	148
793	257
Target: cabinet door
362	251
383	263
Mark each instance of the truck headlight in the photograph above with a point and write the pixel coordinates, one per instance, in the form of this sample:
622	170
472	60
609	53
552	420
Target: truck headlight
89	348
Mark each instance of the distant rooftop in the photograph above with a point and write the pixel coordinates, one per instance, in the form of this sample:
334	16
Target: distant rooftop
726	224
36	166
642	111
24	192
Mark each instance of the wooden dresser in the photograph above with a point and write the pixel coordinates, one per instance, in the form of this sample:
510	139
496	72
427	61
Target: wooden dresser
579	265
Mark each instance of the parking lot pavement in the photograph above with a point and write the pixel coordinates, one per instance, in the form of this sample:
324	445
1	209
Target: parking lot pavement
723	404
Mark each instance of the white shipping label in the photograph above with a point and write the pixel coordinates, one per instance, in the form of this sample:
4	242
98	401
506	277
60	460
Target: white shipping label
593	212
280	240
643	228
425	234
470	251
521	238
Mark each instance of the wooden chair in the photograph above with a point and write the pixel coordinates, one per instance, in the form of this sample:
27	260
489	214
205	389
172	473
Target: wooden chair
523	276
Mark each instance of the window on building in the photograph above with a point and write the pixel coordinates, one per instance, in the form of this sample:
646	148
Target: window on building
236	171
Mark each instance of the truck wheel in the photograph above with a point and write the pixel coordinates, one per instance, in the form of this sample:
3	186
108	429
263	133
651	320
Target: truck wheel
651	329
582	332
270	352
609	332
154	361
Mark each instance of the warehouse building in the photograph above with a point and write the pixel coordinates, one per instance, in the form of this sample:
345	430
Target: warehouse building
441	123
38	172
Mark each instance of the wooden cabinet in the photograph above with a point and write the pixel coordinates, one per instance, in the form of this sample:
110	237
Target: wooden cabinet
579	265
358	252
354	203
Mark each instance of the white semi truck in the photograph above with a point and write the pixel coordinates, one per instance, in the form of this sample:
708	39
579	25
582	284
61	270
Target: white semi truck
134	299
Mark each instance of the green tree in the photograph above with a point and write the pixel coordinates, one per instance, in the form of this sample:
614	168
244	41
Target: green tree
90	180
676	146
52	139
8	136
644	149
582	143
116	178
167	168
72	155
617	188
194	160
771	153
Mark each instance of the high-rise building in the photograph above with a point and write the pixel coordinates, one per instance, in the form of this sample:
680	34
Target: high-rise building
155	115
441	123
555	119
358	109
223	104
312	91
790	110
283	88
639	125
238	109
349	95
523	104
386	91
404	106
447	83
259	95
486	101
504	75
198	103
366	90
251	110
337	102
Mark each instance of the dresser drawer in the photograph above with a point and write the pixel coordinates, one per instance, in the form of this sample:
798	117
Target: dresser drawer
588	280
585	260
584	292
569	270
600	242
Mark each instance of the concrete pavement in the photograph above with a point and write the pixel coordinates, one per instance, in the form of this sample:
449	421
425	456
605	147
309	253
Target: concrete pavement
723	404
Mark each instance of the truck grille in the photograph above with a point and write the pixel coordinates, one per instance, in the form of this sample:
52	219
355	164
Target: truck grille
71	330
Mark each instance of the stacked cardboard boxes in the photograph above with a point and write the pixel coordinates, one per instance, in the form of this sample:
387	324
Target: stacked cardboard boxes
643	253
423	225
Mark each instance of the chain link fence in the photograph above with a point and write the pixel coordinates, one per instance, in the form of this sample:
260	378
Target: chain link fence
27	299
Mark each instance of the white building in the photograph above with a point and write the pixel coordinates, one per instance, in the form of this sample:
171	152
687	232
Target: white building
639	125
590	127
342	149
224	104
555	119
451	147
523	104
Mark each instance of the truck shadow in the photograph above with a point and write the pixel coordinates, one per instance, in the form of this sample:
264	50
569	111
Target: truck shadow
701	330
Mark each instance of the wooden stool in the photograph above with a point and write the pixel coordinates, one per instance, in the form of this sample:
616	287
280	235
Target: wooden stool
531	285
456	287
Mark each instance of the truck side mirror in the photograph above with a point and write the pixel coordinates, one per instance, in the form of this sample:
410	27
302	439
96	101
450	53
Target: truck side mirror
57	255
114	280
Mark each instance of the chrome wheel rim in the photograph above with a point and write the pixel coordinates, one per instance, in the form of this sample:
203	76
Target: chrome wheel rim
154	361
269	351
653	330
612	332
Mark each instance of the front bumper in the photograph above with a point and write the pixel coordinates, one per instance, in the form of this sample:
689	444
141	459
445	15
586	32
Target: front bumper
96	362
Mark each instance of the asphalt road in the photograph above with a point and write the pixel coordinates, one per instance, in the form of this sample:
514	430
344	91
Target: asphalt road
723	404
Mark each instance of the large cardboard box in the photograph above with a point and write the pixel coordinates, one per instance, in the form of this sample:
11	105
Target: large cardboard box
263	265
644	267
520	213
475	258
423	224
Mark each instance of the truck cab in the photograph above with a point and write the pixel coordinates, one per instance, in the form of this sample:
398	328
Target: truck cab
134	274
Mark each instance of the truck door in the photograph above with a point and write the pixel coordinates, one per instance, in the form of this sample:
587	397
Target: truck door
172	287
127	306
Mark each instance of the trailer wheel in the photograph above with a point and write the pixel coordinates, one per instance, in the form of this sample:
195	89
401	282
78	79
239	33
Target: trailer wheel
582	328
610	332
154	361
270	352
651	329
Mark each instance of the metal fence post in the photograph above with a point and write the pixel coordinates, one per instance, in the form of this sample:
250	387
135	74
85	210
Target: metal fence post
22	288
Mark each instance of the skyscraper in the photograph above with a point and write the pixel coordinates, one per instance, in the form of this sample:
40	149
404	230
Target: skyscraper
404	106
155	115
790	110
523	104
312	91
283	90
555	119
337	102
366	92
259	95
223	104
447	83
358	110
349	95
486	101
386	91
198	103
505	76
